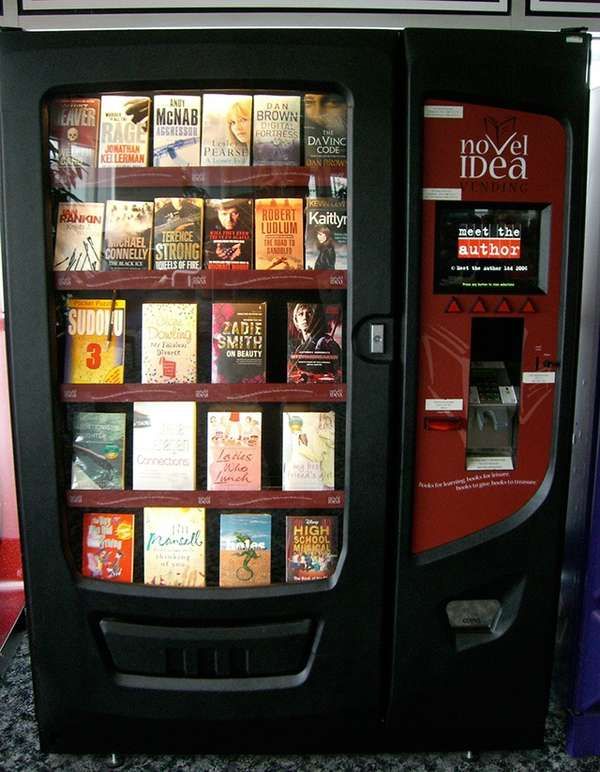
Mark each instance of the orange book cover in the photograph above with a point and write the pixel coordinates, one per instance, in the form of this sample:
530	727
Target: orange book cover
108	546
279	234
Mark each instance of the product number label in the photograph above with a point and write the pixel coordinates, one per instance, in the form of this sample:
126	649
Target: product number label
334	501
70	394
202	394
336	394
204	501
336	281
64	281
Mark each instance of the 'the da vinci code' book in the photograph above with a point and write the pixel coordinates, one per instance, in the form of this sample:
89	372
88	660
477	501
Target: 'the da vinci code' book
226	129
108	546
234	451
325	129
308	451
326	235
239	343
174	547
164	446
177	130
311	547
314	343
128	235
124	131
279	233
73	136
178	234
79	229
95	341
245	550
228	234
169	334
98	451
276	130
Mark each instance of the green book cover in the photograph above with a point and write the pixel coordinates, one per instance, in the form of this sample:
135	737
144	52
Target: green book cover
98	451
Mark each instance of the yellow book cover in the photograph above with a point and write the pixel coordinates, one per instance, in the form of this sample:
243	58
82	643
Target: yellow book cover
279	234
95	341
174	546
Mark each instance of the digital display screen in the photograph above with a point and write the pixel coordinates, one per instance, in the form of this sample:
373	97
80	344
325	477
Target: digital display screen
491	248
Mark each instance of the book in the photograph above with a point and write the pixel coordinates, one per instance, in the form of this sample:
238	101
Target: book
79	229
228	234
174	546
95	341
176	130
98	451
108	546
239	352
128	235
234	451
169	335
314	338
325	129
226	129
123	131
308	451
279	233
178	234
311	547
326	234
164	446
245	550
73	125
276	130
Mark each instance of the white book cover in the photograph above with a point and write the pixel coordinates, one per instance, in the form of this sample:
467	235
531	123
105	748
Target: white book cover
169	342
226	129
177	119
308	451
79	229
174	546
123	131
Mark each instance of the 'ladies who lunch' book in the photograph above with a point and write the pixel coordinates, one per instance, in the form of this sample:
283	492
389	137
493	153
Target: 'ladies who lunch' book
177	130
174	546
239	342
108	546
245	550
308	451
169	334
226	130
98	451
95	341
234	451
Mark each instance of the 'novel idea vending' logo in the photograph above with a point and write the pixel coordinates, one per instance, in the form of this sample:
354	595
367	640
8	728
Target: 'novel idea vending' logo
500	154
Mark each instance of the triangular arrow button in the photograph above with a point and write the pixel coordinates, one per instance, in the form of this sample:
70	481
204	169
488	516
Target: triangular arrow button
528	307
453	307
478	307
504	307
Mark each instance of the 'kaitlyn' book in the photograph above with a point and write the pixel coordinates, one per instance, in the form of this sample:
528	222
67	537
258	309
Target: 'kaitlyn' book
308	451
311	547
169	342
79	229
174	546
314	338
124	131
326	234
178	226
276	130
239	342
128	235
98	451
245	550
108	546
95	341
234	451
176	130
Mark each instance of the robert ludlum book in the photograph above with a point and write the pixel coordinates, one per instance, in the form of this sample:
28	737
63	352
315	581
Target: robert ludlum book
124	131
234	451
98	451
108	546
169	334
177	130
311	547
228	234
314	336
276	130
174	546
79	229
308	451
239	343
245	550
178	226
326	235
279	233
128	235
226	129
164	446
325	129
73	125
95	341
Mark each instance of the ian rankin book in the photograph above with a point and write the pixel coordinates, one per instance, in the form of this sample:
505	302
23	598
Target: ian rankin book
226	129
276	130
124	131
174	546
79	229
311	547
325	129
177	130
279	233
164	446
239	352
169	334
308	451
326	235
108	546
95	341
228	234
98	451
234	451
314	336
178	234
128	235
73	125
245	550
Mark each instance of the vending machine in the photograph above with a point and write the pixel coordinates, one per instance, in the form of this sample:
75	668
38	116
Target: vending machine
292	396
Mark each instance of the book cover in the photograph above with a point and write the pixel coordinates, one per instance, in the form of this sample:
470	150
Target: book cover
169	335
128	235
98	451
95	341
226	129
177	130
308	451
73	125
178	224
245	550
311	547
279	233
326	235
174	547
276	138
239	351
108	546
79	229
234	451
228	234
164	446
325	129
314	336
124	131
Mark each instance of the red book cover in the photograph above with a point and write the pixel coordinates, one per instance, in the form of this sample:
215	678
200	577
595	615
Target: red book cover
108	546
311	548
